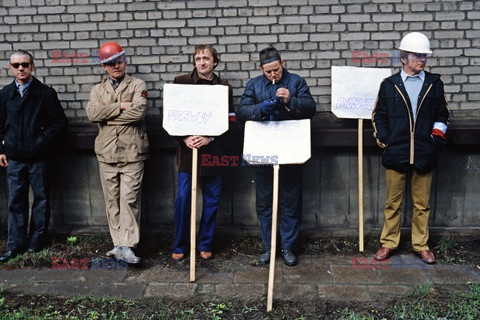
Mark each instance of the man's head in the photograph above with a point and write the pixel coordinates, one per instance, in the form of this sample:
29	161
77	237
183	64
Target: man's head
271	64
414	48
113	59
22	66
205	59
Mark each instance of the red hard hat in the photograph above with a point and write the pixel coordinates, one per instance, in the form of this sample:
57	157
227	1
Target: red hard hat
110	51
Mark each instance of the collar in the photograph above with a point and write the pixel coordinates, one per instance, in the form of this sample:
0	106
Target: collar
26	84
113	80
204	78
404	75
196	77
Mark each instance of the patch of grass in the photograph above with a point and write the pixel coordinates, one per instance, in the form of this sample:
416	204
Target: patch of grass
348	314
461	305
72	240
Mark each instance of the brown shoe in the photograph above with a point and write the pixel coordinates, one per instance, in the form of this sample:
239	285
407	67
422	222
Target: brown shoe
205	255
427	256
383	253
178	256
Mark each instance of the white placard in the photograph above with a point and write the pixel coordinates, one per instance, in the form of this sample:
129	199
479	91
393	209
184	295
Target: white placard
277	142
195	109
355	89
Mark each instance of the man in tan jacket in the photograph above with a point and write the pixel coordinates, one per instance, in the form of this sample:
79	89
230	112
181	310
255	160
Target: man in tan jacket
118	105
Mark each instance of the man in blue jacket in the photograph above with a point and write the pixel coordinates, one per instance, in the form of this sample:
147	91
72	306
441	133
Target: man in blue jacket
410	121
277	95
31	123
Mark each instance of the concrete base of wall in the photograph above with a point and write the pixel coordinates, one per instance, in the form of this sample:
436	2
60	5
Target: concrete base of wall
330	185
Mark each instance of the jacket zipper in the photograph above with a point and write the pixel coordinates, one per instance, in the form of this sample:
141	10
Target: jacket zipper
412	127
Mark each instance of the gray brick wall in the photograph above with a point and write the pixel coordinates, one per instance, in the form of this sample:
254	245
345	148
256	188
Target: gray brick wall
314	35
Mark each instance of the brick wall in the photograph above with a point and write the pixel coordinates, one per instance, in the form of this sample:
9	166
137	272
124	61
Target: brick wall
313	35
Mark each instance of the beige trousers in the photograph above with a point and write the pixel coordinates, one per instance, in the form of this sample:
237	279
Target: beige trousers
121	184
421	187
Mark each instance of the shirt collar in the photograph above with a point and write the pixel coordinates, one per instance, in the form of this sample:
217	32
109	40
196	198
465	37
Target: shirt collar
26	84
404	75
113	80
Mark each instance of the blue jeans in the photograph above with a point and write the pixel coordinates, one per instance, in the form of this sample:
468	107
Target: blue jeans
20	176
289	203
211	189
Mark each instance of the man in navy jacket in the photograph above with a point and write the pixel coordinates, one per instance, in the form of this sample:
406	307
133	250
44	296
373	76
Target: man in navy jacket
277	95
410	120
31	123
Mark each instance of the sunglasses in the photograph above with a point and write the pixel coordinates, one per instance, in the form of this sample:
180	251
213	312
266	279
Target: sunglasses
23	64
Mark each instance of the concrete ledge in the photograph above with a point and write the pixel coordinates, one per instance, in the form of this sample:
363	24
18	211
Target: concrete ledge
327	131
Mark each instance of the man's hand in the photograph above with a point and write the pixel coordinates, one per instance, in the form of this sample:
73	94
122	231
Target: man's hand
3	160
125	105
196	142
284	94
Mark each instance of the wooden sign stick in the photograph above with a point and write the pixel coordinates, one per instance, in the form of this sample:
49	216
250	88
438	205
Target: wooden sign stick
360	184
273	249
193	217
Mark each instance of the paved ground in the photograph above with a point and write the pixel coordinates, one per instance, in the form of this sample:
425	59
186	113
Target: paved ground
335	277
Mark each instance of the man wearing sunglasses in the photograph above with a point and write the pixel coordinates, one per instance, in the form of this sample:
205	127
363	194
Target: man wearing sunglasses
118	105
410	121
31	124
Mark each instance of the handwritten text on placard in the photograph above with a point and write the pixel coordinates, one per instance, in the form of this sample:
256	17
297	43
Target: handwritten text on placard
195	109
354	90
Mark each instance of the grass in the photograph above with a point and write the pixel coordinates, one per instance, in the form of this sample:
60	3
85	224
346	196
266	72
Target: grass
426	302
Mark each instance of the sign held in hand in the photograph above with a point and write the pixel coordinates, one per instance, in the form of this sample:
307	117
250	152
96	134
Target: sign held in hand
195	109
277	142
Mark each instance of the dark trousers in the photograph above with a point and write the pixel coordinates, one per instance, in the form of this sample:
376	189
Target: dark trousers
289	203
211	189
21	175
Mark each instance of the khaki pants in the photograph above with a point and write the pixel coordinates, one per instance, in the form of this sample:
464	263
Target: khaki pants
121	184
421	187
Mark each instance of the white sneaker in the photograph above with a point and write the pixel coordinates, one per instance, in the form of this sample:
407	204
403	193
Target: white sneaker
128	256
113	252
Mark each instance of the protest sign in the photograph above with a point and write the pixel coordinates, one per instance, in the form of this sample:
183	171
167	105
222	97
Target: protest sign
277	142
195	109
354	92
355	89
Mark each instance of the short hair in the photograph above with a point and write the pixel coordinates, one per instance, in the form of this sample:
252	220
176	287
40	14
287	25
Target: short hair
208	47
22	53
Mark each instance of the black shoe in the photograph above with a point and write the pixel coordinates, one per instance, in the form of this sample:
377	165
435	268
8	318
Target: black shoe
8	255
264	257
31	250
289	258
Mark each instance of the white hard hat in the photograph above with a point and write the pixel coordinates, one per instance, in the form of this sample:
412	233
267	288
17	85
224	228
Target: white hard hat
415	42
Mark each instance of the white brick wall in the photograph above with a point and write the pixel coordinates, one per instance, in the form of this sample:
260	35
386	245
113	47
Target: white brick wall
159	37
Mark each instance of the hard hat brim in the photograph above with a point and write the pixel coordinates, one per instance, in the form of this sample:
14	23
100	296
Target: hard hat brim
414	50
114	57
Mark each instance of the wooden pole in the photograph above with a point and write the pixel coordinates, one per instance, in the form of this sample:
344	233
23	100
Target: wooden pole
193	217
360	184
273	249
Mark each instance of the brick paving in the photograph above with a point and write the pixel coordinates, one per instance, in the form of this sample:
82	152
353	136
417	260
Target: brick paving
240	278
